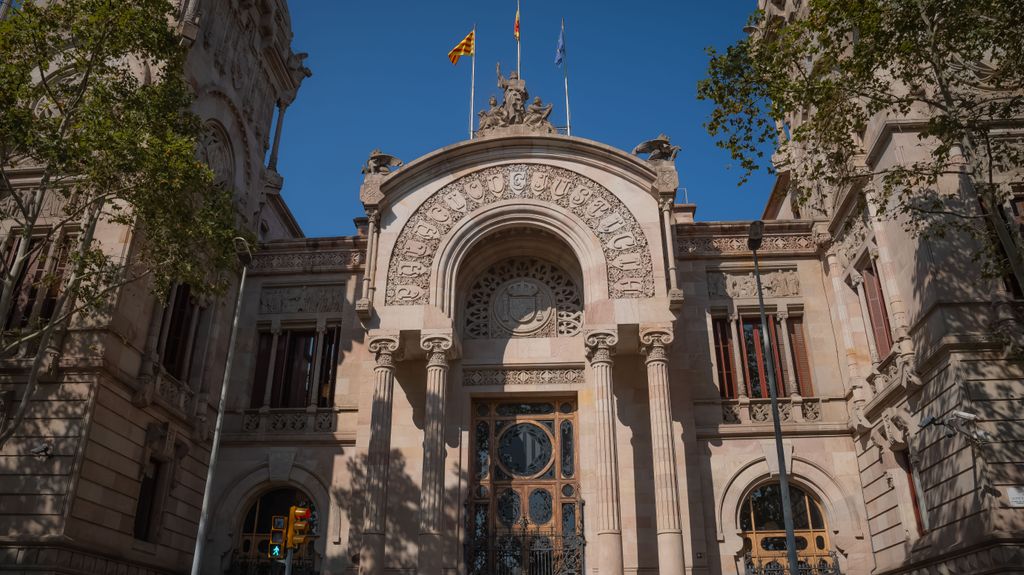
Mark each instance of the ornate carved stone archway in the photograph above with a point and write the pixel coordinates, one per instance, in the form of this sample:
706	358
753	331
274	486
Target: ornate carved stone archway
621	240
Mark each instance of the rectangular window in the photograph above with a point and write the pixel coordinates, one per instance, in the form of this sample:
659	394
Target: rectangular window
40	282
147	507
295	369
723	357
179	316
801	361
755	363
879	317
916	493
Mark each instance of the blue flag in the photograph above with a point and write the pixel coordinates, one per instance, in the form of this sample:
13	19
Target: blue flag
560	50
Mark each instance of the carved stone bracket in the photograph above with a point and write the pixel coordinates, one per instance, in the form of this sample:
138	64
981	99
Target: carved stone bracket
893	429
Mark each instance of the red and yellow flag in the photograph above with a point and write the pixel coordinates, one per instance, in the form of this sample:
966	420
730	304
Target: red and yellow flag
465	48
515	31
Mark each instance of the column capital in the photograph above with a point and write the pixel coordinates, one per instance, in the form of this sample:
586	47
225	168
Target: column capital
782	314
385	348
654	342
600	345
438	348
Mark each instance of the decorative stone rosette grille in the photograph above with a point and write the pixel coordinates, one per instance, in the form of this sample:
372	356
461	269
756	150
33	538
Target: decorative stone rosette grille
630	270
524	376
523	297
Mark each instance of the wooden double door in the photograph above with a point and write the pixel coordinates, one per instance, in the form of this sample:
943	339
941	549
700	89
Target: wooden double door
525	512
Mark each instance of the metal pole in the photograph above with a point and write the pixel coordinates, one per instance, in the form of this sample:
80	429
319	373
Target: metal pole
472	84
787	508
204	515
519	52
288	561
565	75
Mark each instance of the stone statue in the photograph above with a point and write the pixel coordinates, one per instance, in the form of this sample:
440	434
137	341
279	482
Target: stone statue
515	96
659	148
492	117
513	111
380	163
537	115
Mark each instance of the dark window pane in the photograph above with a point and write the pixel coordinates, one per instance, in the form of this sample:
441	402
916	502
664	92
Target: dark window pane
483	447
799	501
568	465
259	379
509	507
540	506
525	449
752	345
767	505
745	523
817	522
568	519
507	409
146	505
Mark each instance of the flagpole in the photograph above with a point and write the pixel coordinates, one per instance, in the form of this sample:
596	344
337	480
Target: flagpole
565	75
519	53
472	84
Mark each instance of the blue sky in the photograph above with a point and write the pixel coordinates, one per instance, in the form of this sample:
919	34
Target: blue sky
381	78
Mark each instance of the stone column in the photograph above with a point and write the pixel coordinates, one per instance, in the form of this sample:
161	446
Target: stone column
600	347
787	354
431	556
371	560
737	354
654	344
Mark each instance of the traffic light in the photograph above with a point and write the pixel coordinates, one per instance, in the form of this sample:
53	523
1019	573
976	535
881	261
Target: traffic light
278	526
298	526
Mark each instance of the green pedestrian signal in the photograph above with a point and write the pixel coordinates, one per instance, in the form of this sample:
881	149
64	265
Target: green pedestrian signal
278	524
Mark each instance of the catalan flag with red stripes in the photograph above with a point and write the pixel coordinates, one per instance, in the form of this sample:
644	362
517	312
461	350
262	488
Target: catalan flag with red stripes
465	48
515	29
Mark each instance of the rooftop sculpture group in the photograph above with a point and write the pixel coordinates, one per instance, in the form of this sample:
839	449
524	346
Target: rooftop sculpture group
513	110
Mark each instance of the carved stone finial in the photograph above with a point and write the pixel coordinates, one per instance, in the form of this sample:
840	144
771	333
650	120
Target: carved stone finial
380	163
659	148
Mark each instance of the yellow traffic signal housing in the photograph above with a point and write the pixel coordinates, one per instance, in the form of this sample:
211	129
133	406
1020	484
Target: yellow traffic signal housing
298	526
278	527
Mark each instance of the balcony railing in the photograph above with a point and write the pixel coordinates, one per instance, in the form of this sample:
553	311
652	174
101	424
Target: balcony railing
808	564
290	420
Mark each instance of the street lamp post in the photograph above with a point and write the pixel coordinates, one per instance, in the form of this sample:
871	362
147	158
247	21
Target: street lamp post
245	257
754	242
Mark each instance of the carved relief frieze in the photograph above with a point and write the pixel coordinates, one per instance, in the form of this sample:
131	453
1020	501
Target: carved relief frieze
734	285
321	260
302	299
630	269
522	376
714	246
849	241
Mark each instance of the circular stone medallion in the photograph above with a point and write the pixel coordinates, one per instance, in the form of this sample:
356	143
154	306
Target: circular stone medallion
522	306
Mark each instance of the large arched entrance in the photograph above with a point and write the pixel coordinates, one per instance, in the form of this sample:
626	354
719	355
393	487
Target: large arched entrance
250	554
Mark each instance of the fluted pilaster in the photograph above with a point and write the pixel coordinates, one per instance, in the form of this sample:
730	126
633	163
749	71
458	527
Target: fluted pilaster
384	349
600	349
655	342
432	489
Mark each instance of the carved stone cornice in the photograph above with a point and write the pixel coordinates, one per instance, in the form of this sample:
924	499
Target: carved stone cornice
600	345
893	429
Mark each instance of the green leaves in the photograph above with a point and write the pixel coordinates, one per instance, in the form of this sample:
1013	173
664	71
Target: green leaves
823	81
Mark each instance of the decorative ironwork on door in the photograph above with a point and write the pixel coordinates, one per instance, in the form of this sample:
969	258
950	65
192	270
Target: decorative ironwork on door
524	510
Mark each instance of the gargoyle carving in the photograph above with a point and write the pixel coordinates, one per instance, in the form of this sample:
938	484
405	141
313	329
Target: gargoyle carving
381	163
659	148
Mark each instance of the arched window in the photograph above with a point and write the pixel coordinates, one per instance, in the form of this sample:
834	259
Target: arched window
250	555
764	533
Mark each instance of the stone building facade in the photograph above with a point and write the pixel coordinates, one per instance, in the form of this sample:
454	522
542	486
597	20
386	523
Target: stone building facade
531	359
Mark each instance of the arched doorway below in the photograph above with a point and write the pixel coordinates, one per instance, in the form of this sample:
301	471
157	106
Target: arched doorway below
764	534
250	554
